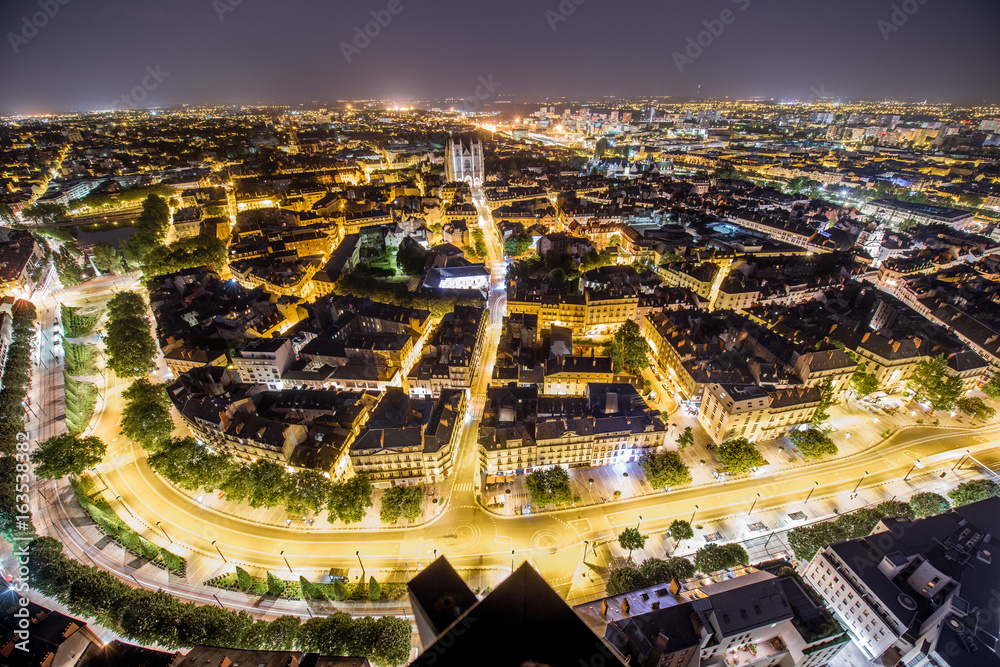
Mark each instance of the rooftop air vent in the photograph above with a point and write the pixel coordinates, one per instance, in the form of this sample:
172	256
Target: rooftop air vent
907	602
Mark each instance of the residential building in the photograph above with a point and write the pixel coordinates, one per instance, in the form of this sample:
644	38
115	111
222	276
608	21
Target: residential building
263	361
409	441
183	359
451	357
569	376
918	593
736	617
752	412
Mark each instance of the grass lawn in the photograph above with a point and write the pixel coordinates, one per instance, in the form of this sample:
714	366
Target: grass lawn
81	400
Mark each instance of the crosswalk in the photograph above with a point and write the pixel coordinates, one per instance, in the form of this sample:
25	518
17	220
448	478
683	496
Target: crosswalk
464	487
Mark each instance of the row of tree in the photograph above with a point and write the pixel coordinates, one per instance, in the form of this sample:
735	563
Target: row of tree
197	251
653	571
155	617
15	381
130	345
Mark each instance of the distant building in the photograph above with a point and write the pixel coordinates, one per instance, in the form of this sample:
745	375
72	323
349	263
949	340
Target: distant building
895	212
465	164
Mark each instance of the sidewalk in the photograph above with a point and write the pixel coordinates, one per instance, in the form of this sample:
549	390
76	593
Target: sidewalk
763	534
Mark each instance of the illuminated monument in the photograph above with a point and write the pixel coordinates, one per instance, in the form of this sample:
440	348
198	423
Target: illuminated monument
464	163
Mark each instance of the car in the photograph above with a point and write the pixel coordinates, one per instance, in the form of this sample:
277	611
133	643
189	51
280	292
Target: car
710	446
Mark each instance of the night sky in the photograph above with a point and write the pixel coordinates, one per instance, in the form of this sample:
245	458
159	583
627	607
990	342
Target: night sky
289	51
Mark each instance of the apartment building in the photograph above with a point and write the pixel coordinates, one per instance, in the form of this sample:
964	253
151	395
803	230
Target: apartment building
752	412
521	431
569	376
409	441
183	359
593	312
916	593
895	212
736	617
263	361
451	357
814	369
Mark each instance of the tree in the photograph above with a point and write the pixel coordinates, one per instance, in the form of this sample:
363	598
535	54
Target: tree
665	469
339	590
928	504
45	213
600	148
932	384
740	456
813	443
350	499
974	491
976	408
275	586
549	486
686	439
826	399
411	259
623	580
106	257
374	590
517	244
393	637
681	530
243	579
401	501
632	539
146	415
806	541
715	557
307	588
628	349
682	568
992	388
184	254
863	382
130	345
67	454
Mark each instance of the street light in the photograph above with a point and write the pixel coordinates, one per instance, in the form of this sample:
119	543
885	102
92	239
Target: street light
859	483
753	505
512	561
220	551
960	459
815	484
358	554
164	532
286	562
916	463
692	514
638	522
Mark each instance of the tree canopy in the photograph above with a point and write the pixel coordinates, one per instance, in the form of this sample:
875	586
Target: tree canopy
631	539
813	443
665	469
549	486
628	349
932	384
129	343
740	456
714	557
928	504
976	408
146	416
67	454
401	502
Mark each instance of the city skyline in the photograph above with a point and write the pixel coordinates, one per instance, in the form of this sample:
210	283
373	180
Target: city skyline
209	52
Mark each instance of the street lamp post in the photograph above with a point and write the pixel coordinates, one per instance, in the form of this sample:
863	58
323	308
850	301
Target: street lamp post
218	600
692	514
858	486
220	551
358	554
158	524
286	562
512	561
586	543
638	522
815	484
960	459
916	462
754	504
